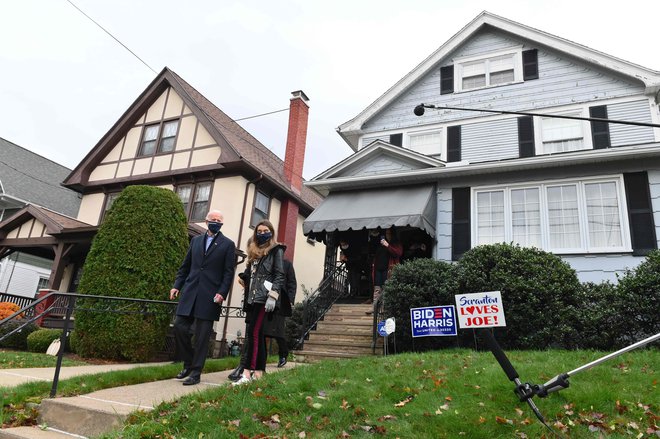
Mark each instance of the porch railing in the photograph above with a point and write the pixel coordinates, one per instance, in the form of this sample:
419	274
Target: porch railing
333	287
66	303
21	301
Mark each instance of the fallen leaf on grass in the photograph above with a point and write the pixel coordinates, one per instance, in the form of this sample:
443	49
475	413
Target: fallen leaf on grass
344	405
519	412
387	418
235	422
405	401
501	420
302	435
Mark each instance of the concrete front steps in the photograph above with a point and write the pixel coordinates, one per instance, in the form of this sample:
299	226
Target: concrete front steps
345	332
102	411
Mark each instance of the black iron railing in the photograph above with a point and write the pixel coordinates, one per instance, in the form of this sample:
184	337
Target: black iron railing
379	316
64	305
329	291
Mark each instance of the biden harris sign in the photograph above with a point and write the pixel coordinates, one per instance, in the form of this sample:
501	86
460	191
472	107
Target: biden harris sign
433	321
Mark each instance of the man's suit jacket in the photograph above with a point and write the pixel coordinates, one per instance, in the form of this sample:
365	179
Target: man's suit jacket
203	274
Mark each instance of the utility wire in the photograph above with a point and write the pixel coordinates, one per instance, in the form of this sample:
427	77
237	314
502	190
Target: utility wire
262	114
113	37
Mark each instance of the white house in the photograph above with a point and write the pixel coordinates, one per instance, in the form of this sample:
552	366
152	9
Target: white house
573	185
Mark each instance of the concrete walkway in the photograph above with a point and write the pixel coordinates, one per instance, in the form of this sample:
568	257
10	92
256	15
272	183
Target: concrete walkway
98	412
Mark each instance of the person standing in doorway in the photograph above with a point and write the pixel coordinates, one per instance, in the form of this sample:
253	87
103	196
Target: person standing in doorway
202	284
350	255
387	254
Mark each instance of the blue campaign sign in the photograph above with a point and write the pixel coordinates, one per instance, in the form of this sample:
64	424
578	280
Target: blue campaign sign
381	329
433	321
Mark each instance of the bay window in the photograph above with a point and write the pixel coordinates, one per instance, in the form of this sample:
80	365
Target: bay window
566	217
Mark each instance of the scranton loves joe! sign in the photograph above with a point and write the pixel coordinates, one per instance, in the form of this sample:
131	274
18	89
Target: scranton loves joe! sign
480	310
433	321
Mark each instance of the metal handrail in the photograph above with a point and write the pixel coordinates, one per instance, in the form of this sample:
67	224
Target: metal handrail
67	302
332	288
379	316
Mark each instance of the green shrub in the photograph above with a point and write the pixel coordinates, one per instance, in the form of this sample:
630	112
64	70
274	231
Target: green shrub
418	283
17	340
539	293
73	342
597	322
637	307
136	254
39	340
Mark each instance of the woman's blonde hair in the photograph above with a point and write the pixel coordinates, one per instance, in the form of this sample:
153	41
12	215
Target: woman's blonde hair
256	251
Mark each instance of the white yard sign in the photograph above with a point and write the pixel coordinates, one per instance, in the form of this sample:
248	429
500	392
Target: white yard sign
480	310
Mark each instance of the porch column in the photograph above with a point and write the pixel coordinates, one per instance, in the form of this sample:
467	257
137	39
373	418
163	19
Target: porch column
59	264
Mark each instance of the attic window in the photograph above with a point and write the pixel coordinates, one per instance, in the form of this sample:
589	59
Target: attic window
498	69
159	138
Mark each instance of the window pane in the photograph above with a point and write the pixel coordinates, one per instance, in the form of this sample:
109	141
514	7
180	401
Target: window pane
501	63
168	137
526	217
150	132
261	203
563	218
184	194
490	217
201	204
603	215
501	77
474	82
426	143
148	148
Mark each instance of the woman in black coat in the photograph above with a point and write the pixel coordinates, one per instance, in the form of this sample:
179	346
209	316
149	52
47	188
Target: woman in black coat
275	325
263	280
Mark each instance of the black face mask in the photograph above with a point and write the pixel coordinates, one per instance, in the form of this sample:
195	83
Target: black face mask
214	226
263	238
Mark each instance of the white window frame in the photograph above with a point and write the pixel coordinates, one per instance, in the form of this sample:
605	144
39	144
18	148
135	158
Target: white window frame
584	246
460	63
587	141
441	147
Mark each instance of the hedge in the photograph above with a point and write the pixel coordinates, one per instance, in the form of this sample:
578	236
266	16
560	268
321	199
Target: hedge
136	254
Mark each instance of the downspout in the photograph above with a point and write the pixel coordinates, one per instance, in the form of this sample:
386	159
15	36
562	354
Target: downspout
223	340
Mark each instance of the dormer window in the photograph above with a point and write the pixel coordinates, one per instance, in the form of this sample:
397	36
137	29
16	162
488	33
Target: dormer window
159	138
480	72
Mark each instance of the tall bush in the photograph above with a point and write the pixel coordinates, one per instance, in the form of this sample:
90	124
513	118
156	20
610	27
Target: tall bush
539	293
136	254
414	284
638	301
597	322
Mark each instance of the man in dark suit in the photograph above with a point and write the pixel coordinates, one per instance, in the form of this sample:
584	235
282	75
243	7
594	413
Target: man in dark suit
204	279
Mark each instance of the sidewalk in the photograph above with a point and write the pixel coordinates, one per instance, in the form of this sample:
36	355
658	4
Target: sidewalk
97	412
14	377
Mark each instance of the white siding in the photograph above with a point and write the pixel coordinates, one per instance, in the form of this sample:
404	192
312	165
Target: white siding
562	81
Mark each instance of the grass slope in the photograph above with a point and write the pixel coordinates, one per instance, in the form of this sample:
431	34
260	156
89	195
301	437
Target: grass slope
443	394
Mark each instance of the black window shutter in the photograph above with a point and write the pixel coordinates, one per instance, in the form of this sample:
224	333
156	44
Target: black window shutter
640	213
396	139
446	80
530	60
526	136
454	144
460	222
600	131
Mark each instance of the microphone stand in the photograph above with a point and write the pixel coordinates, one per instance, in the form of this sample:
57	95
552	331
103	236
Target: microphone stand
526	391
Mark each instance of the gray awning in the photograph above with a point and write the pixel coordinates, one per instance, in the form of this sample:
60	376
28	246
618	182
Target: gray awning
412	206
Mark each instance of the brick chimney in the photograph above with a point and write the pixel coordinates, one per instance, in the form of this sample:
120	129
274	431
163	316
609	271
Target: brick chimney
296	139
294	158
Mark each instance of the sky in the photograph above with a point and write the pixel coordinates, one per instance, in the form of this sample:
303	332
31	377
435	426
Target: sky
64	81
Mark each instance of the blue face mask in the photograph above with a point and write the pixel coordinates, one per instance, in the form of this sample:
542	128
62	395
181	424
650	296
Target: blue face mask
263	238
214	227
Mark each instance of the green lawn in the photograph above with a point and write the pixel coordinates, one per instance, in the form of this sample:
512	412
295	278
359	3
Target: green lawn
445	394
22	360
